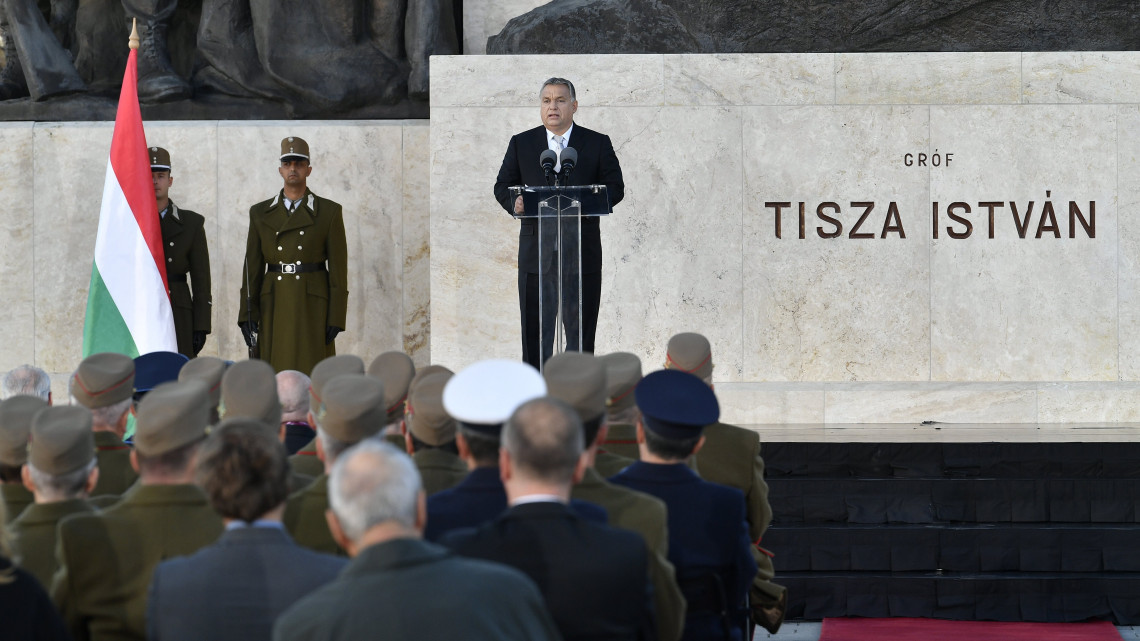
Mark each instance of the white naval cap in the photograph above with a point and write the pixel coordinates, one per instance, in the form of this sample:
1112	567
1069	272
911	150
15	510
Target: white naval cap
488	392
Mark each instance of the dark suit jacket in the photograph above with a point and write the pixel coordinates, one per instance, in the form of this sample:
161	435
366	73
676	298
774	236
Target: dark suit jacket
26	611
236	588
708	533
597	164
184	242
411	590
479	498
594	578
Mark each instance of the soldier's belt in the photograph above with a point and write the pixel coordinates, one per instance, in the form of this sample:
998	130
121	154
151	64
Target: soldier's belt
176	278
296	268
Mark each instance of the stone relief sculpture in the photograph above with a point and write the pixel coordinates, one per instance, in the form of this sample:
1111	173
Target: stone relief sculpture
214	58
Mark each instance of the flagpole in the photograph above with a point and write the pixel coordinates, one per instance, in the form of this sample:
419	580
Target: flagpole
133	41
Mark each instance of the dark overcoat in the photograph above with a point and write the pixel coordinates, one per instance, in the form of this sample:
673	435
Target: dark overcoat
184	242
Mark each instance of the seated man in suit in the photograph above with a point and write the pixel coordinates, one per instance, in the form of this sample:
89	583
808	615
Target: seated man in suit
397	585
236	588
708	534
594	578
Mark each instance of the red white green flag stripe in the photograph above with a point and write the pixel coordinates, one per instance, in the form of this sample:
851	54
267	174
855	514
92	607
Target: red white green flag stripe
128	304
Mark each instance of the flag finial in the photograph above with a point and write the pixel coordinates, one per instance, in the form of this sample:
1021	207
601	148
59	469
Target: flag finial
134	41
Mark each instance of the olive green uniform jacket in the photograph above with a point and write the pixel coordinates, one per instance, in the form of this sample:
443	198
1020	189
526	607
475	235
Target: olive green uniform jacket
608	464
306	461
638	512
292	311
115	472
33	534
184	241
621	440
106	559
305	518
16	497
731	456
439	469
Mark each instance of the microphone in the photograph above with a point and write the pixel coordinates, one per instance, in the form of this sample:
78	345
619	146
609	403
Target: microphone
569	159
547	160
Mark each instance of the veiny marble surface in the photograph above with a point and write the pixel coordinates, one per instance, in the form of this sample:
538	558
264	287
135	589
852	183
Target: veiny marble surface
942	403
1088	402
1081	77
1025	309
928	78
17	287
1128	252
416	225
745	79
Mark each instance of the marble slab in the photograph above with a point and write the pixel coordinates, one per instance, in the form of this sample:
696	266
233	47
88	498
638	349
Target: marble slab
1024	309
843	308
941	403
416	227
928	78
752	403
749	79
1088	402
1128	252
1081	77
17	287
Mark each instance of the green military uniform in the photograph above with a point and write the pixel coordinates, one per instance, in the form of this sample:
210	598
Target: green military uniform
184	242
646	515
16	414
439	469
306	461
433	428
293	310
115	472
34	538
305	517
607	464
16	499
621	440
106	559
397	441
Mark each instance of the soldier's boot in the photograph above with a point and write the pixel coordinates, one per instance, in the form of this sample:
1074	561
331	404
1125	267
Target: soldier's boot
12	82
158	82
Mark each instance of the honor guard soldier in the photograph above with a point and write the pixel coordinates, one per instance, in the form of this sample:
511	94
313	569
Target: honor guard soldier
105	383
184	243
107	559
294	292
61	472
305	461
731	456
15	426
430	434
351	410
708	534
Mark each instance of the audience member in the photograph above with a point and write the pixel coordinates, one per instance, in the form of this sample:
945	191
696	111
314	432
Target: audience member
396	370
397	585
293	391
26	612
249	390
351	410
154	369
580	380
15	428
708	534
26	380
731	456
106	559
236	588
594	578
305	461
623	373
61	472
429	433
209	370
105	383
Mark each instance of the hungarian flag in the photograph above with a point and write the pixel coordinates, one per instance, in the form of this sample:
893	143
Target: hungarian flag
128	304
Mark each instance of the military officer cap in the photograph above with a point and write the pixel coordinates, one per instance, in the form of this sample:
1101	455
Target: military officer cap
156	368
428	371
293	148
159	159
102	380
172	415
395	370
428	421
690	352
62	440
623	373
484	395
249	390
328	369
676	404
578	379
16	415
209	370
353	408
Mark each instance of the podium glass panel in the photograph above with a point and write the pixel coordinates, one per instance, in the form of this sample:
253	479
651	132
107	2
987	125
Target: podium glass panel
559	212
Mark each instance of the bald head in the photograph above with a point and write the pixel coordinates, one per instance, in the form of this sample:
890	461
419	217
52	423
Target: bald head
544	441
26	380
293	390
374	484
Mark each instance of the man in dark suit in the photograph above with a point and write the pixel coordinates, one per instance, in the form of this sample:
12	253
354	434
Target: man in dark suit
236	588
597	164
397	585
708	534
594	578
